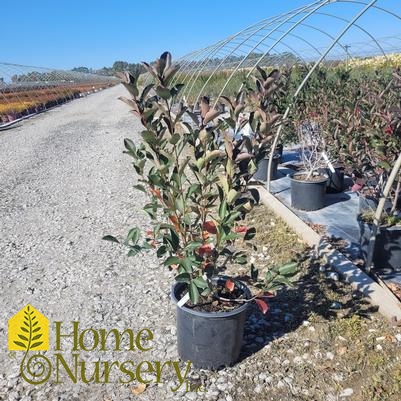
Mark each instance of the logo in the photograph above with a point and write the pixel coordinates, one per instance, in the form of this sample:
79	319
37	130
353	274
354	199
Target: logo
28	331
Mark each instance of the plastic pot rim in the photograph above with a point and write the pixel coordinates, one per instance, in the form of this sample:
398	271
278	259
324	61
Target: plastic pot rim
291	177
234	312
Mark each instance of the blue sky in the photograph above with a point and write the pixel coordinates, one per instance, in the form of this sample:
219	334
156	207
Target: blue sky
66	34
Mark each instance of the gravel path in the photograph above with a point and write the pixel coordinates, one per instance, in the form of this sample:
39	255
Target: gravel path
65	183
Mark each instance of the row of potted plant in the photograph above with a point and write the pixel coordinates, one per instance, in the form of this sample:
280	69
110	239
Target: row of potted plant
356	123
20	103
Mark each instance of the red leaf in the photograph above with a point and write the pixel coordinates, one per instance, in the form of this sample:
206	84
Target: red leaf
205	249
155	192
263	306
210	227
241	229
356	187
230	285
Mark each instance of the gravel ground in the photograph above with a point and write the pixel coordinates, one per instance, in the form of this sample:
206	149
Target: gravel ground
64	184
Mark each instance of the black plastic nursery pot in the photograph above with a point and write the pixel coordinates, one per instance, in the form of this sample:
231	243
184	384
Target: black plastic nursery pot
261	172
210	340
307	195
387	251
335	181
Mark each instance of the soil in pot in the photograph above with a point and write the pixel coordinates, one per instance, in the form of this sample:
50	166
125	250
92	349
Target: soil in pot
210	340
308	193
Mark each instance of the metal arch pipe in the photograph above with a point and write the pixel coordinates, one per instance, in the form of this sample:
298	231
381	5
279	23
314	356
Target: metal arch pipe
305	80
264	23
204	55
185	61
204	61
260	27
295	52
374	6
357	26
19	69
204	50
318	5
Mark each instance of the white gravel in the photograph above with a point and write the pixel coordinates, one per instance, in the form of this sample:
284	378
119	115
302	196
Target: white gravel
65	183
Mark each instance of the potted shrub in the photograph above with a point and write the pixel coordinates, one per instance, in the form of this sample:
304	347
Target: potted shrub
379	151
308	187
196	177
259	122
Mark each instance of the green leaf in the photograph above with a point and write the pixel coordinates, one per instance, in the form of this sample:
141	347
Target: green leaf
161	251
34	331
24	329
251	232
34	323
155	179
111	239
174	240
179	204
223	209
183	278
133	252
200	163
201	283
133	235
140	188
268	276
172	260
187	264
233	217
36	344
193	189
242	260
224	183
22	337
176	89
174	139
20	344
288	269
232	195
129	145
254	272
163	92
193	245
36	337
283	280
149	137
193	292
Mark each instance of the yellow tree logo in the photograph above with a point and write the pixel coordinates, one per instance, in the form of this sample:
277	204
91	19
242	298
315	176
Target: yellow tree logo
28	330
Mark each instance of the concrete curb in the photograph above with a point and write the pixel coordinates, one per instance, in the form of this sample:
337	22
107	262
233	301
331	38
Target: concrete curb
388	304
